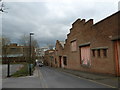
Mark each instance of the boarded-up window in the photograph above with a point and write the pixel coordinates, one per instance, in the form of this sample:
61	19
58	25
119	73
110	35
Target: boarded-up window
85	55
73	45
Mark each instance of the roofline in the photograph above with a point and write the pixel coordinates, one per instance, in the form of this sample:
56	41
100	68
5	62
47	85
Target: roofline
106	18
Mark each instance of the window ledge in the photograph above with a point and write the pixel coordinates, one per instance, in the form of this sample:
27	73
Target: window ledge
100	48
73	51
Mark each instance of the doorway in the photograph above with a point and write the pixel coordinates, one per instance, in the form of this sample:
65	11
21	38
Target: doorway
60	57
85	55
117	56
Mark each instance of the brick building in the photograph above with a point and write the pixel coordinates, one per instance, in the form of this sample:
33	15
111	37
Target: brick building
49	58
59	47
92	47
16	53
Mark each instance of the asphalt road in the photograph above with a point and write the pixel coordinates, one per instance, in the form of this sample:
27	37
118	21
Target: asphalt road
46	77
52	78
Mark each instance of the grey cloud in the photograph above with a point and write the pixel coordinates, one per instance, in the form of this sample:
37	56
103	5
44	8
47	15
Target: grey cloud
49	21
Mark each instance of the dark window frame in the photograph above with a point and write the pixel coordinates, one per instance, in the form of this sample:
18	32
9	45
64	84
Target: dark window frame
64	60
93	53
98	53
55	61
105	52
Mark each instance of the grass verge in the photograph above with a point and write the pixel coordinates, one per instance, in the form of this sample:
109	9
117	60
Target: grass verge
23	71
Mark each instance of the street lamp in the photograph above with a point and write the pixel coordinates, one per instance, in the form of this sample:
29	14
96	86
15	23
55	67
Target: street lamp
30	70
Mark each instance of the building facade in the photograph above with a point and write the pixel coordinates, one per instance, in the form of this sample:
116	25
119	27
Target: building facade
16	53
92	47
49	58
59	49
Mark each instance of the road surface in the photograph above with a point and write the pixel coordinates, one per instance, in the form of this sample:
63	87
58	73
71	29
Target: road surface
46	77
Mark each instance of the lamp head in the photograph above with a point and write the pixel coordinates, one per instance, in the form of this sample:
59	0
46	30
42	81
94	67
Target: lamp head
31	33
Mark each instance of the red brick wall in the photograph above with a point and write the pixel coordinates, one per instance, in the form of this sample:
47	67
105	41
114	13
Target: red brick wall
98	35
59	52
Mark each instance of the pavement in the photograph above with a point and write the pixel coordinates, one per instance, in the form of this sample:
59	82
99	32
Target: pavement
22	82
100	78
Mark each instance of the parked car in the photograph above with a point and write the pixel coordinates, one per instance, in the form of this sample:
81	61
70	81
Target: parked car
40	64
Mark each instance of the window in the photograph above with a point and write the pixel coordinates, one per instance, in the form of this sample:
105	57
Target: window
56	52
55	61
13	48
65	60
98	52
73	45
105	52
93	53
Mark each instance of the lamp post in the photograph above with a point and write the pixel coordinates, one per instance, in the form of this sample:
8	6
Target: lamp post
30	70
8	68
8	72
8	61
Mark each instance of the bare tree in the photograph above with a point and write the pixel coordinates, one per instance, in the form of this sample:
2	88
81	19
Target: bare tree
25	41
35	43
50	46
5	42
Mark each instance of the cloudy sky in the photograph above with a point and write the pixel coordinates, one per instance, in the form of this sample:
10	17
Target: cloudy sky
50	20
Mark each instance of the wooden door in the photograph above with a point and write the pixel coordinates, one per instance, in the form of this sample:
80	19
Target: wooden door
117	56
85	55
